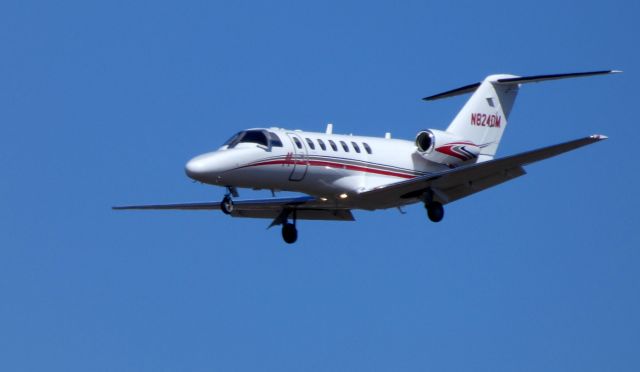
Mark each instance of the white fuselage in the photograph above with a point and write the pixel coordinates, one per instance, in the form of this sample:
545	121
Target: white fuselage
329	166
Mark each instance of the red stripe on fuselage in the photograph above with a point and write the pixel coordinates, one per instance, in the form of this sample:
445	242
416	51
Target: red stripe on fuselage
317	163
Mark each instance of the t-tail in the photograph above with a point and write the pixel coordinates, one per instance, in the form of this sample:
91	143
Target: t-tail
484	117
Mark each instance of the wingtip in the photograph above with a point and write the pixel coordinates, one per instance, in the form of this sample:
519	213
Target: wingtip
599	137
616	71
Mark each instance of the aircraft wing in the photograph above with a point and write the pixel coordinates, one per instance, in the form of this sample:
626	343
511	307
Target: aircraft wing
457	183
306	208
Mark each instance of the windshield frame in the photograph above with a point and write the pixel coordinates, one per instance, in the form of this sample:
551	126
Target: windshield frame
271	139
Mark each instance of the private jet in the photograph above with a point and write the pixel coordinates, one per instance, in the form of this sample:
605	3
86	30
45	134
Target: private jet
341	173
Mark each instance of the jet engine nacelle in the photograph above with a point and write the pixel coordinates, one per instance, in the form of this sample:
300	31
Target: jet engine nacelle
445	148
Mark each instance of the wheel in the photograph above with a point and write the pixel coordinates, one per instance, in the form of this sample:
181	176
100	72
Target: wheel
289	233
226	206
435	211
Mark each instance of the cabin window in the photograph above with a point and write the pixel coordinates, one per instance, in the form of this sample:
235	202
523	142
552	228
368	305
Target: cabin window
297	142
310	143
344	146
366	147
322	145
333	145
356	147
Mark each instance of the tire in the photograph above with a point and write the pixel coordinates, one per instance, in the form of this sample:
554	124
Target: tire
435	211
289	233
226	206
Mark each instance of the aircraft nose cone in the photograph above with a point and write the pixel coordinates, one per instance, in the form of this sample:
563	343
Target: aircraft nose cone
202	168
195	167
208	167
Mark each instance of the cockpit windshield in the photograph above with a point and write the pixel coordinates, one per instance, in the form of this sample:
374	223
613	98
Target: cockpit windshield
233	140
260	137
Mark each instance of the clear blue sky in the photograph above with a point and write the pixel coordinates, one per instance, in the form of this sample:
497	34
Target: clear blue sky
102	103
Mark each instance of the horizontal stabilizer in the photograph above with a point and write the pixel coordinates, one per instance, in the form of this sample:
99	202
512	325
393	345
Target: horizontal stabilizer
539	78
517	80
454	92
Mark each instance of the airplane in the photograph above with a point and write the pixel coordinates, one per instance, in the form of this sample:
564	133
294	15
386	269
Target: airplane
340	173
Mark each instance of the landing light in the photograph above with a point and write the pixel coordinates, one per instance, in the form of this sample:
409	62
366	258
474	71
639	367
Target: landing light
323	199
343	196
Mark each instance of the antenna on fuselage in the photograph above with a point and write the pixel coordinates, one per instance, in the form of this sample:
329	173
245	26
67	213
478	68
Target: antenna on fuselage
387	135
329	128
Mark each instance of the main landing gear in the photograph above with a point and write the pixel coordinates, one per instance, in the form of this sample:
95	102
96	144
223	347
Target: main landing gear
435	210
289	231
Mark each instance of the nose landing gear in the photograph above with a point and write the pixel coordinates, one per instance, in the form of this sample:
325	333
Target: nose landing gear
226	205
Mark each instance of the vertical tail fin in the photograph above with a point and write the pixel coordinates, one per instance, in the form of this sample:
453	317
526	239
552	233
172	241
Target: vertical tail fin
484	117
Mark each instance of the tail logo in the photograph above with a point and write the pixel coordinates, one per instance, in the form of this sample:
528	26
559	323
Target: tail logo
460	150
483	120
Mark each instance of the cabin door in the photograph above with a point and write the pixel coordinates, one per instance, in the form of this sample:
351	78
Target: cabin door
299	157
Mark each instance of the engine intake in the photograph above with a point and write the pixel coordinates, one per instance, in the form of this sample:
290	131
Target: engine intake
445	148
425	141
